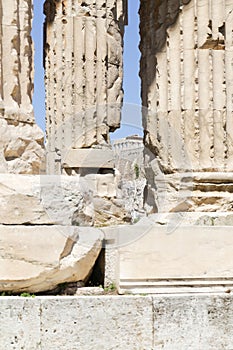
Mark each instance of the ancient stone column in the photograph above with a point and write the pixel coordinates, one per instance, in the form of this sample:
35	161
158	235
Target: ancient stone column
187	86
21	140
83	64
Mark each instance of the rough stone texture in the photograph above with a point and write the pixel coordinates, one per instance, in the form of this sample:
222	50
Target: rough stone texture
99	323
187	87
193	322
111	256
83	63
89	158
60	200
21	140
46	256
190	219
91	291
18	208
198	191
20	323
132	323
134	192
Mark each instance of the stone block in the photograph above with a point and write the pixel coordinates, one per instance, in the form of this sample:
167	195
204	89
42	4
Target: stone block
193	322
38	258
20	200
88	158
20	323
194	191
170	322
89	323
60	200
102	185
174	258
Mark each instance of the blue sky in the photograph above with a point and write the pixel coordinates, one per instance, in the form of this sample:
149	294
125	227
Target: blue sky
131	121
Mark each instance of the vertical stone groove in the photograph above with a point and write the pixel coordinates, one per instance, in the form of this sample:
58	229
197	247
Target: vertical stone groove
91	74
186	83
21	141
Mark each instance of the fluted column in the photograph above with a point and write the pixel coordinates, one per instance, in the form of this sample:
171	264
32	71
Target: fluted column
84	69
189	89
187	74
21	141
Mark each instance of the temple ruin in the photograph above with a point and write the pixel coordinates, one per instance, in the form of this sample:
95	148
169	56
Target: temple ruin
187	87
67	220
21	139
84	71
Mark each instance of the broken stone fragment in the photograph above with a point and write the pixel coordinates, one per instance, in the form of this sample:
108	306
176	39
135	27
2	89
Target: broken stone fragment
22	147
38	258
58	200
105	212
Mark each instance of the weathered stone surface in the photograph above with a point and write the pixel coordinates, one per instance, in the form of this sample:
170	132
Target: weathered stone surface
26	199
186	86
60	200
21	141
90	291
38	258
189	219
21	147
20	326
185	83
175	258
199	192
97	323
102	212
193	322
89	158
159	322
110	212
16	61
83	74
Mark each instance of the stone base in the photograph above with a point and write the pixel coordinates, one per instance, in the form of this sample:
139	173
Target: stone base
172	254
190	192
107	322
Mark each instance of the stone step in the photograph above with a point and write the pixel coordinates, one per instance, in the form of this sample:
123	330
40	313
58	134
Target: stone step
167	322
174	258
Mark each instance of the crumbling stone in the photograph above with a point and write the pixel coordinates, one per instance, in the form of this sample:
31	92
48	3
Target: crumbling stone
84	70
46	256
186	86
21	141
